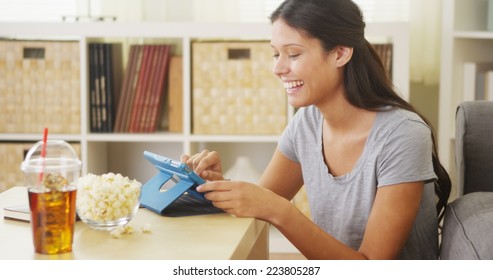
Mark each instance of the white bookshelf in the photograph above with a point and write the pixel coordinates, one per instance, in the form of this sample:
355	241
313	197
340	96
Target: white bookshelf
464	39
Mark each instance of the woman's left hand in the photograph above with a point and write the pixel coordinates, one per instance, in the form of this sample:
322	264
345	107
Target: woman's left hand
243	199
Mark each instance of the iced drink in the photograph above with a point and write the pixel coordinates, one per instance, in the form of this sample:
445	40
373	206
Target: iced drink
51	179
52	218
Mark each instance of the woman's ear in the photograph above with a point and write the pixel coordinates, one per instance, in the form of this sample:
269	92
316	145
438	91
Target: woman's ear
344	54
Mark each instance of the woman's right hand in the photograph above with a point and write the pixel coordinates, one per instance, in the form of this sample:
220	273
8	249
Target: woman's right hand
206	164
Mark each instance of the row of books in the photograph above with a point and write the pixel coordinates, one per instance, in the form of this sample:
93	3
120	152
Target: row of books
105	67
143	91
477	81
132	101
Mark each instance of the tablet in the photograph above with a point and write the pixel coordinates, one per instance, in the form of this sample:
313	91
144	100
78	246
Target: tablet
177	168
172	191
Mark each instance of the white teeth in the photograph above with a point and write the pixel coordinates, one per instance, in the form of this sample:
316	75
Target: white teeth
293	84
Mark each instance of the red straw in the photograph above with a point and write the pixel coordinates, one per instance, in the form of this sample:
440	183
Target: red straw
45	137
43	153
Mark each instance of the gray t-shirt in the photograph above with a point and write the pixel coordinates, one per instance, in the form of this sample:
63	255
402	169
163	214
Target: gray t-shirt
398	150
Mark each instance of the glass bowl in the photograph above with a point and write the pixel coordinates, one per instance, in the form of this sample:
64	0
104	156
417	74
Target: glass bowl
107	201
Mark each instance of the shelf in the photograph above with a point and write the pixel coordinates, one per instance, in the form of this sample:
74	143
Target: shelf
481	35
135	137
122	152
32	137
139	30
235	138
464	39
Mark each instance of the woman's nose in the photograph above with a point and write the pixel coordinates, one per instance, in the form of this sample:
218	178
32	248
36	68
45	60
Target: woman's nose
280	66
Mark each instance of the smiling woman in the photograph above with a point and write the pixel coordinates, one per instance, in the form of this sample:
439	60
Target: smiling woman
366	157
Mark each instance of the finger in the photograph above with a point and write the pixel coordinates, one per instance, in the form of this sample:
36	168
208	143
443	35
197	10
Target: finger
212	161
214	186
223	205
184	158
219	196
210	175
205	160
195	160
188	160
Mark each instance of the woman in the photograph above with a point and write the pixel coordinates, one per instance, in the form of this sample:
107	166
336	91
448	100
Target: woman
367	159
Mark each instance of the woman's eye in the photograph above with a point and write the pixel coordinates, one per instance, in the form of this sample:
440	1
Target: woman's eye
276	55
294	55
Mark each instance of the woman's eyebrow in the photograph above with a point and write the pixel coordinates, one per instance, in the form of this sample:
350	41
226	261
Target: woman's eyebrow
289	45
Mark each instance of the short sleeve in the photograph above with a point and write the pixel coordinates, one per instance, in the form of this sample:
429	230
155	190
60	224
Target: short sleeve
406	155
286	143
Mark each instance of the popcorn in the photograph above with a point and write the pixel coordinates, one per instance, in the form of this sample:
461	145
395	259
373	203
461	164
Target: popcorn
146	228
120	230
108	197
117	232
128	230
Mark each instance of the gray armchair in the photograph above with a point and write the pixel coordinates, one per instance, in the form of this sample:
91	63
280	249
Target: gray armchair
468	222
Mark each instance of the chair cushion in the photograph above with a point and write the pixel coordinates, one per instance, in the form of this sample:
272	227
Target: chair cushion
468	228
474	146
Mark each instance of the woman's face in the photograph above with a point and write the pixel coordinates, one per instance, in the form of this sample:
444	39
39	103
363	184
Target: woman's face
311	75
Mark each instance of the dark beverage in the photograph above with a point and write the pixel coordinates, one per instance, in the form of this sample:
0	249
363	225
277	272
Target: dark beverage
52	218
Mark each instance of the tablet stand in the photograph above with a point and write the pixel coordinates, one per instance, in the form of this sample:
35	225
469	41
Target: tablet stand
172	193
156	200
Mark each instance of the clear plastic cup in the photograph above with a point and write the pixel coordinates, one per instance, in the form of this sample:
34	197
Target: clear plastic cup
51	181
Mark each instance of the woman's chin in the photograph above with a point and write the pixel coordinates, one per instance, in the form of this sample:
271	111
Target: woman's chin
294	102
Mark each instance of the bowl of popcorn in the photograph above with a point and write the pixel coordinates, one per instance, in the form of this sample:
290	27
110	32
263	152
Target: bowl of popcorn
107	201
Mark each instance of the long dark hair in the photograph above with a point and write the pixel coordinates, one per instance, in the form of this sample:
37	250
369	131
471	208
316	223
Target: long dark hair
340	23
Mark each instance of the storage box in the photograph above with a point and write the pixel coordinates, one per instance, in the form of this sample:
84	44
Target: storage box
12	155
39	86
234	90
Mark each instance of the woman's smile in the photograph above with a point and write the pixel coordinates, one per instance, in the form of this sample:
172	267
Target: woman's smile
293	86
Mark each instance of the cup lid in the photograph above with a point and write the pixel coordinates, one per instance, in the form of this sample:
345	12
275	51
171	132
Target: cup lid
59	155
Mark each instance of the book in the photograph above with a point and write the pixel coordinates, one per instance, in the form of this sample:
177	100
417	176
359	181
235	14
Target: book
17	212
128	88
108	81
124	96
101	83
148	99
489	16
175	94
96	86
21	212
159	96
112	82
473	76
488	86
93	116
133	86
140	91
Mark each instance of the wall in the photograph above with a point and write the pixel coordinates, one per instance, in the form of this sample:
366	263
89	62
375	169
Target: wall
425	99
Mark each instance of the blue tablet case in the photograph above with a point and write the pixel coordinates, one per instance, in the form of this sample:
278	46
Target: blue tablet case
171	192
